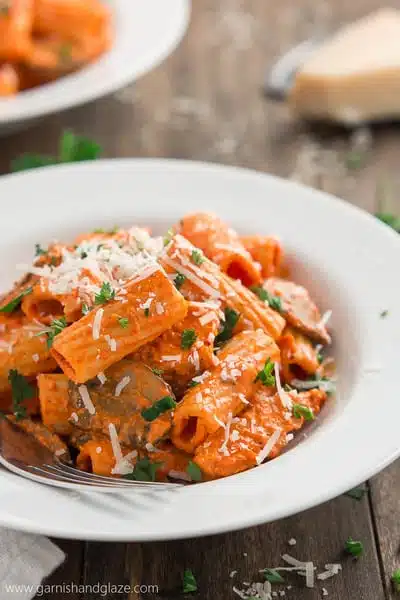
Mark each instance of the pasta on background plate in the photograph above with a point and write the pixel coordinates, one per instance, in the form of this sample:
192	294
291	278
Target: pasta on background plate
190	357
42	40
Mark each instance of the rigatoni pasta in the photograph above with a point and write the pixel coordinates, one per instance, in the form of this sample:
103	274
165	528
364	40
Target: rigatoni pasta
185	358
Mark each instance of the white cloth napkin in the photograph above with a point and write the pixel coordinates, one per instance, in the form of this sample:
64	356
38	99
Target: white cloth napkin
25	560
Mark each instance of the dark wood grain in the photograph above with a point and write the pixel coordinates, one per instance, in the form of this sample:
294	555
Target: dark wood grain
205	102
70	572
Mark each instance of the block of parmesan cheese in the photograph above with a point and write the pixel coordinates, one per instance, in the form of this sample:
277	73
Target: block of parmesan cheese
353	77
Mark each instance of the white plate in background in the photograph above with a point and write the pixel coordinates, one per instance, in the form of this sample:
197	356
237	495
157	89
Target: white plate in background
146	31
347	258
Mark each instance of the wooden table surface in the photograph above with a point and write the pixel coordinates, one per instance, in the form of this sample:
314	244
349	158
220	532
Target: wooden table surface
204	102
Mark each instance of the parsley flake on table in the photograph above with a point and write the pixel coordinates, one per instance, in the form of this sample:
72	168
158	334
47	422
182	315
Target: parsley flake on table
21	391
396	580
266	375
273	301
189	582
105	295
357	493
179	281
231	319
158	408
147	312
188	338
197	257
144	470
15	302
194	471
273	576
72	148
124	322
299	410
390	220
384	314
354	547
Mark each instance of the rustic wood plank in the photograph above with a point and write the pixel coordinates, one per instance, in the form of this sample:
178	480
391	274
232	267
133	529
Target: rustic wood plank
386	506
320	534
68	574
104	572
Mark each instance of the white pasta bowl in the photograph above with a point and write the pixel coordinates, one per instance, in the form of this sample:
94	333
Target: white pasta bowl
145	33
348	260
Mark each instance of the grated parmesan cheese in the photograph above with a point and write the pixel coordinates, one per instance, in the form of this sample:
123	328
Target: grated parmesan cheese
210	291
99	450
207	318
101	377
172	357
324	319
224	449
97	323
284	397
268	446
121	385
111	343
74	417
86	399
35	358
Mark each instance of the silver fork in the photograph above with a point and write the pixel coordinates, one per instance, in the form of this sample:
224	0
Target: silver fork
21	453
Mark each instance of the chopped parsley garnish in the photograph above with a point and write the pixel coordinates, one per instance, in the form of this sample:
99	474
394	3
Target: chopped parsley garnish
124	322
389	219
105	295
299	410
231	319
192	384
158	372
15	302
158	408
147	312
54	329
197	257
320	358
108	231
144	470
266	375
189	582
21	390
194	471
355	160
85	309
168	237
396	580
39	251
179	281
354	547
188	338
273	301
65	53
384	314
83	255
357	493
72	148
273	576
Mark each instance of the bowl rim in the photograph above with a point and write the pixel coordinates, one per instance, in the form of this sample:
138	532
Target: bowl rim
246	490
